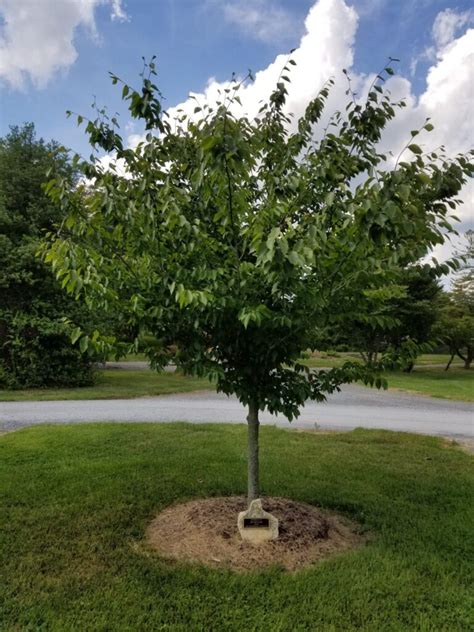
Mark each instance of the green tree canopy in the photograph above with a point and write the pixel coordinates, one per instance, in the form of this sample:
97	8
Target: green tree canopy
240	241
35	349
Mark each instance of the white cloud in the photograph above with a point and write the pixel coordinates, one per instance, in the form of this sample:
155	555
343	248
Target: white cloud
118	12
37	36
447	24
264	20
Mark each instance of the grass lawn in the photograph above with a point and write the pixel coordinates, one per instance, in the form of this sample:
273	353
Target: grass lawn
114	384
74	501
453	384
322	359
457	383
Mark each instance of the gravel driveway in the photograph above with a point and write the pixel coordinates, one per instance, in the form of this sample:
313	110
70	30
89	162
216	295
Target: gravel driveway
354	407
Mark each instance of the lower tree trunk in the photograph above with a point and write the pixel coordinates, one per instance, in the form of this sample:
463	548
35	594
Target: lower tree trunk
252	454
450	360
468	358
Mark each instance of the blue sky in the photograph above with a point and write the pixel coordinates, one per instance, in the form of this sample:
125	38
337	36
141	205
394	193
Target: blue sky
193	40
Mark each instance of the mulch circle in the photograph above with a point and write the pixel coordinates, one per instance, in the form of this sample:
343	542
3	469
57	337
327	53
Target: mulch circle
205	531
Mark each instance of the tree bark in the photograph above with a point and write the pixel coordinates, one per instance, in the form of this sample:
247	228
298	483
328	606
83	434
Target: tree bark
253	481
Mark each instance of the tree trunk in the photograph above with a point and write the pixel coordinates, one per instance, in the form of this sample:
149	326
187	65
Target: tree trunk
252	455
450	360
467	359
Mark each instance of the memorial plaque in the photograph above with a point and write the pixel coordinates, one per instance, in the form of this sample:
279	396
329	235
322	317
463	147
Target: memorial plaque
256	525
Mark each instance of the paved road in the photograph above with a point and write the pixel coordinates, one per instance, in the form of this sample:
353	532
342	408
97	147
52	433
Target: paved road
354	406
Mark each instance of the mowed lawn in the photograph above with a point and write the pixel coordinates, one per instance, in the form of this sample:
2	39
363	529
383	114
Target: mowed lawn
321	359
75	501
453	384
427	378
115	384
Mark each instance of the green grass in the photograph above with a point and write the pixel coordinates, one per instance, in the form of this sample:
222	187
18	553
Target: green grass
114	384
74	500
453	384
457	383
437	358
322	359
132	357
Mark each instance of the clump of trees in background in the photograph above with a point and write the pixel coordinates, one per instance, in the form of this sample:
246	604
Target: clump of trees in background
35	345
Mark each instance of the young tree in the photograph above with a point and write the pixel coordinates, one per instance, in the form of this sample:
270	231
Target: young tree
237	242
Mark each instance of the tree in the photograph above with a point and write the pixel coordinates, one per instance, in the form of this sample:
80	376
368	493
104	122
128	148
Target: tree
404	322
463	283
456	323
35	348
240	241
455	328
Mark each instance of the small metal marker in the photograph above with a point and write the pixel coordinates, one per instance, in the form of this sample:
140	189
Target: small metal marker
255	523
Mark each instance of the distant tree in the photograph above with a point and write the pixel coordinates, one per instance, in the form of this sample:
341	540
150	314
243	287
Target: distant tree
456	323
463	283
403	323
455	328
241	240
35	348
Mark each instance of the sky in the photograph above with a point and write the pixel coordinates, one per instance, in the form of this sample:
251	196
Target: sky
55	55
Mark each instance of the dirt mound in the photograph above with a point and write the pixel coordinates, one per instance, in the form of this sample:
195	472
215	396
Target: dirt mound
205	531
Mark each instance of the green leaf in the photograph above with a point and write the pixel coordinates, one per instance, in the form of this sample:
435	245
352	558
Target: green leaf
416	149
84	344
76	334
424	177
295	258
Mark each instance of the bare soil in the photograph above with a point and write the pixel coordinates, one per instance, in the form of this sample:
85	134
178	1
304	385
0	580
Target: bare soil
205	531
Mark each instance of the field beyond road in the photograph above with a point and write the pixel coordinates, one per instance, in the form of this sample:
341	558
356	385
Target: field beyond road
75	501
123	383
114	384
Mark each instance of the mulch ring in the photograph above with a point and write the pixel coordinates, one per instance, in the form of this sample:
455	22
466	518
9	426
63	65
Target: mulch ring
205	531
